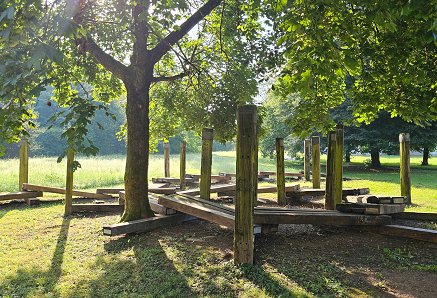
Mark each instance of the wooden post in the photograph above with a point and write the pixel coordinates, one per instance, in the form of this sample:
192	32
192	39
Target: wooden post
166	159
183	164
255	167
280	171
338	165
329	190
315	145
404	140
246	191
206	162
306	160
69	183
24	163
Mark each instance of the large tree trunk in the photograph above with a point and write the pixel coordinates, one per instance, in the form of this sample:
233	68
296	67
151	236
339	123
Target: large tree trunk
374	155
137	156
425	156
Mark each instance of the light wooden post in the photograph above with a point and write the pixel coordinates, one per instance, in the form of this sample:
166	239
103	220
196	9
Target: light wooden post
404	140
166	159
246	191
206	162
338	165
255	167
329	191
280	171
69	183
183	164
315	145
307	157
23	176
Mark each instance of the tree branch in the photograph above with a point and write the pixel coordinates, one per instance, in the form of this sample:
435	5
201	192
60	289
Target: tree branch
165	45
169	79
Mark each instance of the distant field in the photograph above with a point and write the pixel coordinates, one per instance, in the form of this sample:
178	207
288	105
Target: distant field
108	171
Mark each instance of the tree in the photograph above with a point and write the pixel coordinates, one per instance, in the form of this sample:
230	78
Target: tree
114	46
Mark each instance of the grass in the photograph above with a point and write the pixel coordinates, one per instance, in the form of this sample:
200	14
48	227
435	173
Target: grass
108	171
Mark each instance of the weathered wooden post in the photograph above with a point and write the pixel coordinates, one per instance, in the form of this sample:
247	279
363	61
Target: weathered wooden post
280	171
329	190
404	140
206	162
306	159
315	145
183	164
69	183
246	191
338	165
23	176
255	167
166	159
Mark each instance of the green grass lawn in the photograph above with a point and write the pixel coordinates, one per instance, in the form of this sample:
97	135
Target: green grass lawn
108	171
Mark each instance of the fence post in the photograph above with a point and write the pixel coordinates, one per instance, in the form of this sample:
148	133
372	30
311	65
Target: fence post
24	163
166	159
183	164
404	140
69	183
338	165
246	191
280	171
307	157
206	162
315	145
329	191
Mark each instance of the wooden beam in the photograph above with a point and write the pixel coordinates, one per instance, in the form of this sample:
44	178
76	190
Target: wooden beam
405	177
246	193
370	208
69	182
338	165
109	191
329	190
145	225
307	159
206	163
183	165
113	208
407	232
166	159
171	180
20	195
23	176
315	156
154	205
280	172
34	187
272	173
416	216
321	192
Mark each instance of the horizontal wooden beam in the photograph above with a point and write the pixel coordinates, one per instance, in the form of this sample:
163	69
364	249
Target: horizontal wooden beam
407	232
416	216
113	208
171	180
20	195
273	173
154	205
318	192
33	187
370	208
145	225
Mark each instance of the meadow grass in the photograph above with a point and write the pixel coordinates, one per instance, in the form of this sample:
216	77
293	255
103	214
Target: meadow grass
108	171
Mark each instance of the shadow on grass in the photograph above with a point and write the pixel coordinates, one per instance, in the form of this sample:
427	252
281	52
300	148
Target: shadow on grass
26	282
133	266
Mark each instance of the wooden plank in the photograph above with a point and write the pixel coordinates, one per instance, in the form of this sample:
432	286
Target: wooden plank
197	209
315	156
20	195
214	189
272	173
109	191
415	216
318	192
280	172
145	225
113	208
214	178
32	201
384	208
407	232
333	218
171	180
153	201
34	187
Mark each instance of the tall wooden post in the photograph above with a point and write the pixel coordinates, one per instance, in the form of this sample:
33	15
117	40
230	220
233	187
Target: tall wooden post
329	192
338	165
315	145
255	167
306	160
404	140
166	159
23	176
69	183
246	191
280	171
206	162
183	164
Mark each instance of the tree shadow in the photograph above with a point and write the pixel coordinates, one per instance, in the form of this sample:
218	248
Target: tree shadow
26	282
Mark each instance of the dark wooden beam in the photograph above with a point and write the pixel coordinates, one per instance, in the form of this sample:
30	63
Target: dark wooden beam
20	195
407	232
